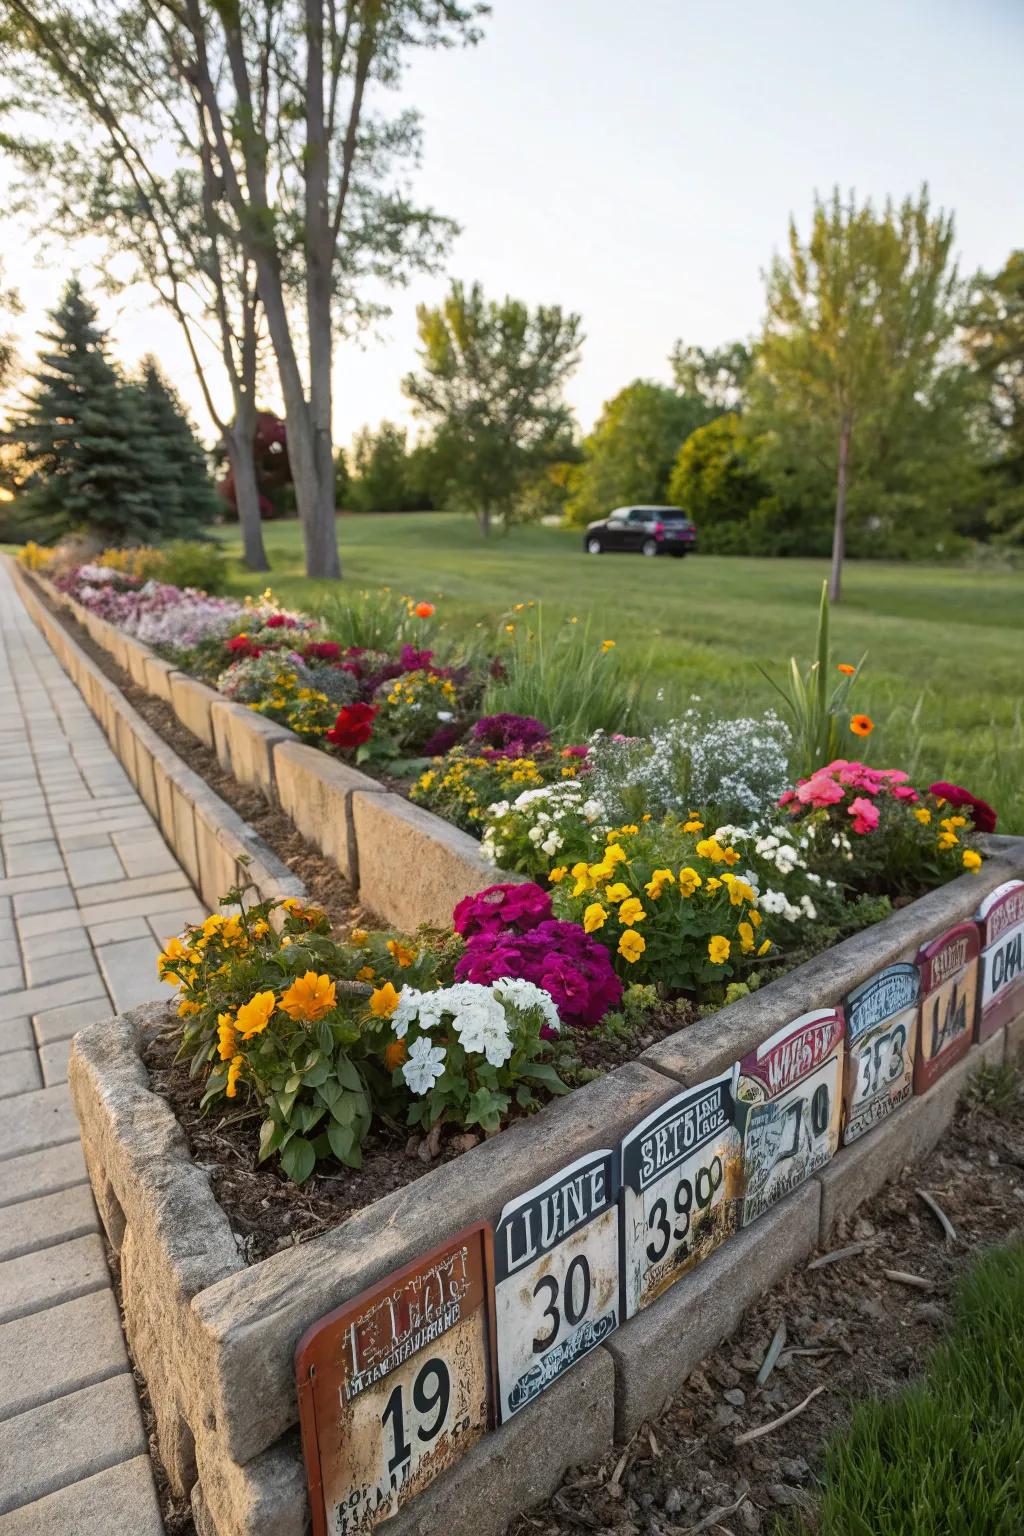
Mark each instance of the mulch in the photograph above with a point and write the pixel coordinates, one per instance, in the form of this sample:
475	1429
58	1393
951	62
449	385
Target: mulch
850	1333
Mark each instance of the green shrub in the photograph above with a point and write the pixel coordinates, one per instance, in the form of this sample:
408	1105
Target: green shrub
189	563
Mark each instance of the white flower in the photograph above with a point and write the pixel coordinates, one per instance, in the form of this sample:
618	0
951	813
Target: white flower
809	909
484	1028
407	1010
525	994
425	1064
445	715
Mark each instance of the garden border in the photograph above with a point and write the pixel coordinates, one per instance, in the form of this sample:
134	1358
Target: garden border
372	835
217	1338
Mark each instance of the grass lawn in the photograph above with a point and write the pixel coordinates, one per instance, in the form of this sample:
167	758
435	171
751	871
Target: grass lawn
945	645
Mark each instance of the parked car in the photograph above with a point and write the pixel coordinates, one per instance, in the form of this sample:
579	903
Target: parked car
643	530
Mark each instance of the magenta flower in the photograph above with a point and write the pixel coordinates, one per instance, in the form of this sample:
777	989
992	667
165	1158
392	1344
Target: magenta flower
864	813
502	908
560	957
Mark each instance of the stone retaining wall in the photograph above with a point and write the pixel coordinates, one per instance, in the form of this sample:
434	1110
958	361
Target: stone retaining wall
217	1338
376	838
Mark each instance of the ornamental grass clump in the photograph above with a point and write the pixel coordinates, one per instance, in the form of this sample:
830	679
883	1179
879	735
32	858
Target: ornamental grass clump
566	675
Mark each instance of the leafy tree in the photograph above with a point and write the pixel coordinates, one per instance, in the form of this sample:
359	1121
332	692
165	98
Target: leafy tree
91	461
630	453
191	500
858	320
717	375
342	479
994	340
380	466
715	479
490	383
273	109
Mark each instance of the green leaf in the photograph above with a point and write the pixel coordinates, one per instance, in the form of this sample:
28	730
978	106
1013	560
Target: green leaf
286	1103
539	1072
298	1159
342	1140
347	1074
344	1108
293	1083
316	1075
270	1138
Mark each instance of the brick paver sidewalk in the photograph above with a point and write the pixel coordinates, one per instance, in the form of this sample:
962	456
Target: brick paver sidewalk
87	888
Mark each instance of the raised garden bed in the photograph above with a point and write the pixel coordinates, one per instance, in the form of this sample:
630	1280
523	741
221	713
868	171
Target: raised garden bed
215	1336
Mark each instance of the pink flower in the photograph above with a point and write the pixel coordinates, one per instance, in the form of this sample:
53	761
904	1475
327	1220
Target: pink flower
864	813
819	790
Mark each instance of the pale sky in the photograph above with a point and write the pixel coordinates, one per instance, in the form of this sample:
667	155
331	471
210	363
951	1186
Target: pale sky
638	163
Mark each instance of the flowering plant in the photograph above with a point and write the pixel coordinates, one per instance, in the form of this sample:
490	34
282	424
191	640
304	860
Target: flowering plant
551	822
468	1049
671	906
412	706
463	784
353	727
511	735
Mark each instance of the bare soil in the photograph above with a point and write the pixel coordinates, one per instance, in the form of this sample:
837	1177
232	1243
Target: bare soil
851	1333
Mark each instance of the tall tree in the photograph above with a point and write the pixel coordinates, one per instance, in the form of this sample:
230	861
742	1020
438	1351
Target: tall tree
858	318
994	338
289	143
490	383
380	461
630	453
716	375
90	462
192	501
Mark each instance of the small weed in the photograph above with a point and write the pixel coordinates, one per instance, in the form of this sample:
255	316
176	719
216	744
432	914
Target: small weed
995	1087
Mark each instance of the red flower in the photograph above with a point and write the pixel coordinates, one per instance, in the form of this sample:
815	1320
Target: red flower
322	650
353	726
982	814
280	621
241	645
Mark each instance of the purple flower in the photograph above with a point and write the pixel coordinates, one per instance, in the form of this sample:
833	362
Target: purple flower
499	908
413	660
560	957
442	741
511	735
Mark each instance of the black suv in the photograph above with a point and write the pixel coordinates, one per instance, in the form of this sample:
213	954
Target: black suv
643	530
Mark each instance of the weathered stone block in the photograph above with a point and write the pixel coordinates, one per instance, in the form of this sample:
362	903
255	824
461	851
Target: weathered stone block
711	1046
266	1497
250	1323
192	702
570	1424
136	655
414	867
182	836
245	743
316	792
656	1350
860	1170
158	674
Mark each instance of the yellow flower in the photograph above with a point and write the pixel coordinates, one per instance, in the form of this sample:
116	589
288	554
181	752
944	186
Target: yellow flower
713	884
365	973
226	1036
173	951
746	934
260	928
426	779
233	932
186	1009
693	826
765	947
510	629
602	871
690	881
213	924
739	892
972	860
948	840
730	856
631	946
383	1001
658	881
755	917
710	848
581	874
594	917
309	997
607	645
292	904
618	892
254	1016
951	823
234	1072
402	955
556	876
923	815
719	949
358	937
631	912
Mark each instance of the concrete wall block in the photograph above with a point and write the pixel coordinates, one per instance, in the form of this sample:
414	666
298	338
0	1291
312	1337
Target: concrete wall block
192	702
715	1043
655	1351
859	1171
316	792
250	1323
245	741
218	867
125	745
158	674
183	832
394	840
571	1424
146	780
136	655
266	1497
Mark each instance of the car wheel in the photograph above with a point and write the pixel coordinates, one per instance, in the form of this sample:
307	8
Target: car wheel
650	547
594	547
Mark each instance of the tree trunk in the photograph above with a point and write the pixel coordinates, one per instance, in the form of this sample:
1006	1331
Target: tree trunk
485	522
239	439
835	580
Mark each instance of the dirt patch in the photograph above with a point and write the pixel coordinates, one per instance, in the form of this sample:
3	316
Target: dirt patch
323	880
849	1330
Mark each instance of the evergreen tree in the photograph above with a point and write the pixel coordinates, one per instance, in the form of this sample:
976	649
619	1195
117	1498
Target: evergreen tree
84	438
189	500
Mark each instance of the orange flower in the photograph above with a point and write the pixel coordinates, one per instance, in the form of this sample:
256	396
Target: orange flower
424	610
861	725
395	1054
254	1016
309	997
846	669
226	1037
401	953
383	1001
234	1071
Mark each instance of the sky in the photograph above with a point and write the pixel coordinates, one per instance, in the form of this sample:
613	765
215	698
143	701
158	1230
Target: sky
639	163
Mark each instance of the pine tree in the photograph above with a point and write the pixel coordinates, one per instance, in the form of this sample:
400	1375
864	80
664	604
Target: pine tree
189	500
84	437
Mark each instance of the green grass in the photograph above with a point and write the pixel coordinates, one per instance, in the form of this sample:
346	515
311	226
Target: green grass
946	1457
945	645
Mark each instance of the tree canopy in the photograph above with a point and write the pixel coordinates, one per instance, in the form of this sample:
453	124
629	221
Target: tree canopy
630	453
